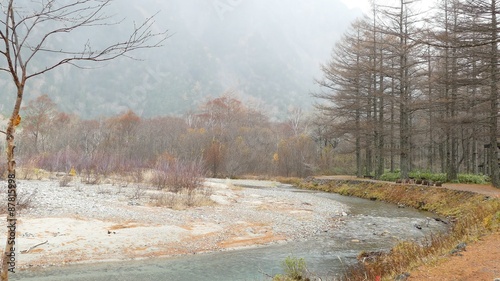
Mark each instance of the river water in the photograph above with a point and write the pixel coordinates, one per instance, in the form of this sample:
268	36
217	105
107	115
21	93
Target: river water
369	226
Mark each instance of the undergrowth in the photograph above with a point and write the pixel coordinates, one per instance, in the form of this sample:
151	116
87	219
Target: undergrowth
437	177
294	269
471	216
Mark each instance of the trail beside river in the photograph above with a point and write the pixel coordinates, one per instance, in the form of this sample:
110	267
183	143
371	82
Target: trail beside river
480	261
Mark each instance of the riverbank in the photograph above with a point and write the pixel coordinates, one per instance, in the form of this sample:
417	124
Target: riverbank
108	222
475	210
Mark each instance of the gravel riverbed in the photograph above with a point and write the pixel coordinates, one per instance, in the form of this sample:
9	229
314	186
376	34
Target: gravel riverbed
112	221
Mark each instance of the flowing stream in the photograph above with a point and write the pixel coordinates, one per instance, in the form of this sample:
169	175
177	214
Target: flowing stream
369	226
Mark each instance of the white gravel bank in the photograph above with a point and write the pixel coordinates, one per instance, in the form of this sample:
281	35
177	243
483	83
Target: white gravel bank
85	223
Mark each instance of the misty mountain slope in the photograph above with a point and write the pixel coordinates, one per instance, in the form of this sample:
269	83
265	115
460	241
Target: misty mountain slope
268	52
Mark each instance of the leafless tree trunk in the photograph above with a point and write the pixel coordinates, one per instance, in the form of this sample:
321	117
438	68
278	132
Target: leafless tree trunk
392	128
404	94
381	123
430	149
21	46
493	124
348	95
452	128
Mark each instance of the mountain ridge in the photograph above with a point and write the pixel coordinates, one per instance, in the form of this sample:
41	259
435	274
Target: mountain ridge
265	52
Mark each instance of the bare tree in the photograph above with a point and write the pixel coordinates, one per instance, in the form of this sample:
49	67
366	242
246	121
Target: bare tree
401	22
468	42
30	31
296	121
39	116
344	88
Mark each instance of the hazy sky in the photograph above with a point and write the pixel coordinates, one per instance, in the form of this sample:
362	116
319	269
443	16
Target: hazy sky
265	50
364	5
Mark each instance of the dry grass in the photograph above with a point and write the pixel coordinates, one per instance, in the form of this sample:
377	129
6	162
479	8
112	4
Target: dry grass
24	200
184	199
288	180
31	173
125	225
181	187
473	215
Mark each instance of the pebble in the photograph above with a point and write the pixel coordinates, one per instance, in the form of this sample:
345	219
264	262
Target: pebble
119	204
402	277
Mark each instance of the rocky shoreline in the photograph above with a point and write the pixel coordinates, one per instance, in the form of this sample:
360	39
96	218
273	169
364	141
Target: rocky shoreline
92	223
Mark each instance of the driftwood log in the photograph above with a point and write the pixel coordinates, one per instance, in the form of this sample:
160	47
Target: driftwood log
33	247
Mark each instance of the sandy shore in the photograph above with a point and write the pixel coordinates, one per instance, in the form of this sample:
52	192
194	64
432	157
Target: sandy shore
81	223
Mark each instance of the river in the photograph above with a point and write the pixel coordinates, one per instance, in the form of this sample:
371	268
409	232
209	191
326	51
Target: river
369	226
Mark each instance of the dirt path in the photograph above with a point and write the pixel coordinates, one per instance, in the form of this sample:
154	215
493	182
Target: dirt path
477	188
480	261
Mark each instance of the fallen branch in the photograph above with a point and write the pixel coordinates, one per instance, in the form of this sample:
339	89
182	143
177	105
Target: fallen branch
33	247
263	273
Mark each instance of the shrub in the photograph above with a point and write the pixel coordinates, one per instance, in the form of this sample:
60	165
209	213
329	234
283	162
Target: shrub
428	176
65	180
138	192
471	178
90	176
390	176
175	175
24	200
294	268
437	177
3	168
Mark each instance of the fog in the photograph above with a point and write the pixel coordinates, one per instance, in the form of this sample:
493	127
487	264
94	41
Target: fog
266	53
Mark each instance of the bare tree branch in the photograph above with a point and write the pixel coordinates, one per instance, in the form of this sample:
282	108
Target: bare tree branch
141	38
20	26
29	32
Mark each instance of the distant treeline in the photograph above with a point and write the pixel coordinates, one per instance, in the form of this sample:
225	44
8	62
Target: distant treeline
229	138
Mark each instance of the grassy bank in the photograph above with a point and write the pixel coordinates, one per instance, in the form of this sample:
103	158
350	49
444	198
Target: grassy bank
470	215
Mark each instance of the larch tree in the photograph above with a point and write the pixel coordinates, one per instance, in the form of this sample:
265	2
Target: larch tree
30	33
345	84
400	21
475	35
381	71
486	26
446	33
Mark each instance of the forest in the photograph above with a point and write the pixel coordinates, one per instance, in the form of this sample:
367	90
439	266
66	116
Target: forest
417	91
402	92
223	138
